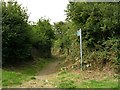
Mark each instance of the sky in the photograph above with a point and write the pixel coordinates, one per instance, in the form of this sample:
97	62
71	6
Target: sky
52	9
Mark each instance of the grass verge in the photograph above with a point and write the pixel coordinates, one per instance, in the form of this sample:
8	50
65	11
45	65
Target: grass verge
35	67
99	84
66	80
71	80
10	78
16	76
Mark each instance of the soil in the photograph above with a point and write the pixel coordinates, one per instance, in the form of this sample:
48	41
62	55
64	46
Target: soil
45	76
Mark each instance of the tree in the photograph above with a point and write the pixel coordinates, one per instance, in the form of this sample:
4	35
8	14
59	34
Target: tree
43	36
100	30
16	46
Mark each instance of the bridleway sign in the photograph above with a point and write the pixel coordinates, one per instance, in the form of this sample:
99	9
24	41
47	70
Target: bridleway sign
79	34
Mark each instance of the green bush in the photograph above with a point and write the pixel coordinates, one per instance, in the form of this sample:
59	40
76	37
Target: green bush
16	46
19	37
42	37
100	26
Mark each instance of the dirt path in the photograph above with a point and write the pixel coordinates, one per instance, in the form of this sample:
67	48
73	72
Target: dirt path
45	76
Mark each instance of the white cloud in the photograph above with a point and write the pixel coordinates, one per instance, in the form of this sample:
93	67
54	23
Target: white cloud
52	9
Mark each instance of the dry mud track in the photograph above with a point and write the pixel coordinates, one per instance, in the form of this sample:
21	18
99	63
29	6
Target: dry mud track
45	76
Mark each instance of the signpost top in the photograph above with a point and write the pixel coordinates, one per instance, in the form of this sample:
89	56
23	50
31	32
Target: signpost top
78	32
